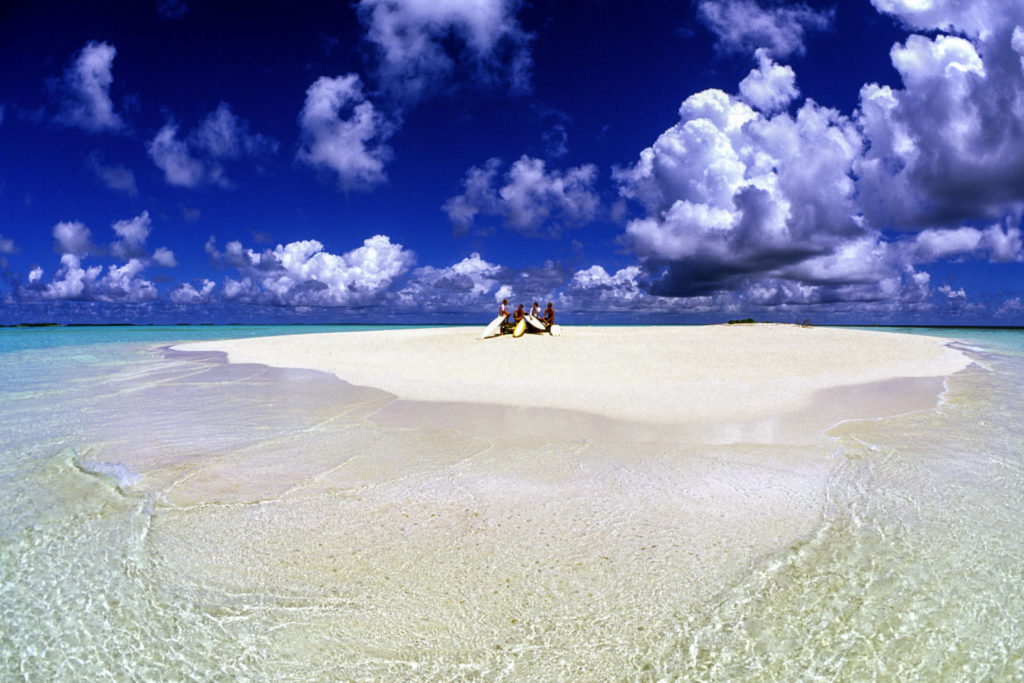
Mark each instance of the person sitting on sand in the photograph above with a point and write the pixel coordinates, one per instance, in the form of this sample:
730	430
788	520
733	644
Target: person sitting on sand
535	311
518	315
549	317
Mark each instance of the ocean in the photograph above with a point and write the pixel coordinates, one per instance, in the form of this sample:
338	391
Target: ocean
168	516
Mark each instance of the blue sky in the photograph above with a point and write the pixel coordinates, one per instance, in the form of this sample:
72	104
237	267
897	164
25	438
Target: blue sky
419	160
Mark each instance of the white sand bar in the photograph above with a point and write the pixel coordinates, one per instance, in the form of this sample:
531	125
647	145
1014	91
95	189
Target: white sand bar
541	508
654	375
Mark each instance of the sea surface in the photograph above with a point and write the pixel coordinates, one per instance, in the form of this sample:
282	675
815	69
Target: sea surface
166	515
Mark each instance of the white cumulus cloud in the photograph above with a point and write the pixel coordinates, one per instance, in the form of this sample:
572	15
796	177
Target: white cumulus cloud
595	290
976	19
529	199
731	194
997	243
770	87
414	40
85	89
72	237
748	202
186	293
745	26
302	273
341	131
75	282
163	256
945	148
223	135
172	156
132	234
598	289
468	284
199	157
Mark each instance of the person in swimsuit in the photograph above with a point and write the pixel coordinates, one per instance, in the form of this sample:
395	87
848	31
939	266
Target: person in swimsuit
549	317
503	312
518	315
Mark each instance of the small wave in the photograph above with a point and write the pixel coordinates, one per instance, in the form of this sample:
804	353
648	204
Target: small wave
122	476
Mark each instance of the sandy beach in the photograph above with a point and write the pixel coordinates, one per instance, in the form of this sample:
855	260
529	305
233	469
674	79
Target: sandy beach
553	506
725	383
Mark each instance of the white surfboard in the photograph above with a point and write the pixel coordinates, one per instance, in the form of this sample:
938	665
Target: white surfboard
520	328
492	328
535	323
556	330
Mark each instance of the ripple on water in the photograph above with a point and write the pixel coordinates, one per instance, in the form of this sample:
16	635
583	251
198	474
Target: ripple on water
282	526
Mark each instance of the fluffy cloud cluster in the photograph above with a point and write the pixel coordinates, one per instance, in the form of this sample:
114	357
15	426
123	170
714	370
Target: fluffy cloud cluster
470	283
114	283
595	289
770	87
85	90
342	132
744	26
474	286
997	243
732	194
186	293
120	283
742	198
946	147
626	291
199	157
303	274
977	19
131	243
414	40
72	237
532	200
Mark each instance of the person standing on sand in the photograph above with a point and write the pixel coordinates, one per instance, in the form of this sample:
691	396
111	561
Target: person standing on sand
503	312
549	317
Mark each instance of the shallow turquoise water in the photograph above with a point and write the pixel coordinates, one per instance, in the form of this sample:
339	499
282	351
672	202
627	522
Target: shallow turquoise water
912	574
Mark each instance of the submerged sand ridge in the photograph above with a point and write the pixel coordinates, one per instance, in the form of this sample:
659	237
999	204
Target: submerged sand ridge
742	379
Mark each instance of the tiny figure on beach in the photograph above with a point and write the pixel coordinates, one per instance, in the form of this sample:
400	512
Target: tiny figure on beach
535	311
518	315
549	317
503	312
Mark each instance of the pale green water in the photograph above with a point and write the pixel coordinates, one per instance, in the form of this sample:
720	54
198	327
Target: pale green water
312	543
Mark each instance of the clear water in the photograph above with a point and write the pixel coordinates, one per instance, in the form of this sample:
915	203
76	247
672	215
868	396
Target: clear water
169	516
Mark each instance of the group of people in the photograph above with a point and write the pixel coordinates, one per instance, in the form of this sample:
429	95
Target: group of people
510	320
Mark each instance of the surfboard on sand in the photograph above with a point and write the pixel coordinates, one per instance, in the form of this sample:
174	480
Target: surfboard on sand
535	323
556	330
520	328
492	328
